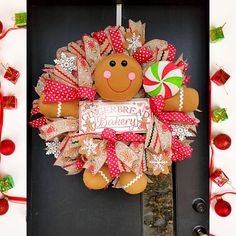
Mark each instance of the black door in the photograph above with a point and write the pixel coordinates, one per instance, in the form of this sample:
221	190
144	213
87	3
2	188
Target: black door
61	205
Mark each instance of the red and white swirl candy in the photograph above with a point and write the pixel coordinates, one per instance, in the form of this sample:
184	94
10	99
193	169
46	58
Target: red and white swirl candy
162	78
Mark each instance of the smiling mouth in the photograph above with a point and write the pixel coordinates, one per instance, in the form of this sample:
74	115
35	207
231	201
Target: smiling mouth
119	91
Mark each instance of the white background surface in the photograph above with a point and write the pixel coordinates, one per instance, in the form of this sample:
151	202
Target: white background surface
222	53
13	51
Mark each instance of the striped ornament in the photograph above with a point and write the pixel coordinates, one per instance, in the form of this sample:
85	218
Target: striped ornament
162	78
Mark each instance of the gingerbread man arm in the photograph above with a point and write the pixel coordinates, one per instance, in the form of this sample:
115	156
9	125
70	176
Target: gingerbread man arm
59	109
186	100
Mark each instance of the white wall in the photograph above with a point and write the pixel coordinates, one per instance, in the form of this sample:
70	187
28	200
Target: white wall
13	51
222	53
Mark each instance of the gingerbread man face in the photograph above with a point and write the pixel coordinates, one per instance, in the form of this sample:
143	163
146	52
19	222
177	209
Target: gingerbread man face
118	77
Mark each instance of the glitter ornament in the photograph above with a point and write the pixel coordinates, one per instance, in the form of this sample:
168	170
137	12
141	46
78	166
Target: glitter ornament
134	42
7	147
222	141
89	147
181	131
222	208
53	148
158	163
4	206
67	63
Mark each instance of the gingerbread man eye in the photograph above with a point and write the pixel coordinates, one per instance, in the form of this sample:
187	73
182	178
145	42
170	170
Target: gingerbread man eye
124	63
112	63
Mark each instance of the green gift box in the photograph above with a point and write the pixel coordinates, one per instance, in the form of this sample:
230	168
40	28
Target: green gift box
6	183
216	34
21	19
219	115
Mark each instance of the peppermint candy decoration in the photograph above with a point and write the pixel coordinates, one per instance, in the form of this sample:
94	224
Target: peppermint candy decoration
162	78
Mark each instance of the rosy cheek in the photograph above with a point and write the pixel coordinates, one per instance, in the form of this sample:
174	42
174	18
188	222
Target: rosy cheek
107	74
131	75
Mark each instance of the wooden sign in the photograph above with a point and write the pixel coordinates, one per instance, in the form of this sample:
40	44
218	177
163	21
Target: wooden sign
134	116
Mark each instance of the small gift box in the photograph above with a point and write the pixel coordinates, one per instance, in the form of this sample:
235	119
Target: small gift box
6	183
9	102
219	177
219	115
20	19
216	34
220	77
12	74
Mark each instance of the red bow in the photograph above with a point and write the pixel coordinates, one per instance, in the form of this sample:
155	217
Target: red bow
112	159
57	92
180	151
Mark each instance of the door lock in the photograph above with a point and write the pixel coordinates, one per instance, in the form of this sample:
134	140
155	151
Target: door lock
200	231
199	205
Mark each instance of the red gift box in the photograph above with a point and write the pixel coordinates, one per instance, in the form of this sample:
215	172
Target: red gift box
9	102
219	177
220	77
12	75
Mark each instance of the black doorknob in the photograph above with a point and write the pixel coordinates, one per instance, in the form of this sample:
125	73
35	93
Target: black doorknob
199	205
199	231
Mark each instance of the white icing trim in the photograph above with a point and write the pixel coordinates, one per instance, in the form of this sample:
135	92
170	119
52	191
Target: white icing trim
59	107
104	176
181	99
132	181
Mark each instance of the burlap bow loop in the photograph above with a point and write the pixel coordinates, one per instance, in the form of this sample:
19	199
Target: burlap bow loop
112	158
57	92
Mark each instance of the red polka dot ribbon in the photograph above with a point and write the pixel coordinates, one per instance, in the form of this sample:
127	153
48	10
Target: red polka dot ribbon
183	65
38	123
180	151
116	40
143	55
100	36
57	92
112	159
171	52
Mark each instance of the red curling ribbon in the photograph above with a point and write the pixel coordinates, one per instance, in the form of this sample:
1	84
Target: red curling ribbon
180	151
143	55
15	199
6	32
112	159
116	40
57	92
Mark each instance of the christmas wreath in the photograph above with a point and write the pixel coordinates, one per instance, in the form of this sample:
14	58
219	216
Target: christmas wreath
117	108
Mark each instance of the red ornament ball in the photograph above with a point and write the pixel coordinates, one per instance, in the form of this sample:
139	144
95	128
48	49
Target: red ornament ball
222	208
7	147
4	206
222	141
1	27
